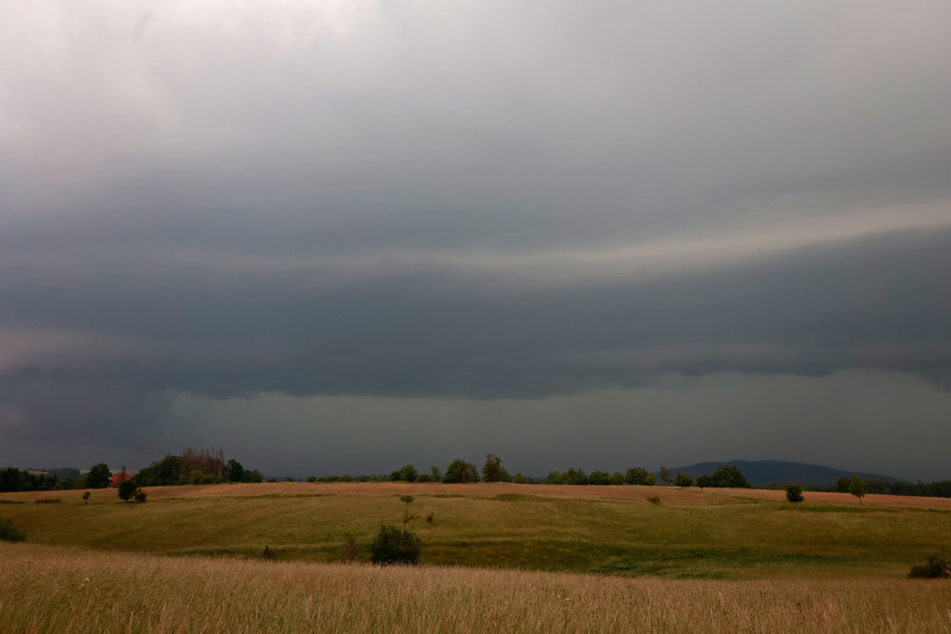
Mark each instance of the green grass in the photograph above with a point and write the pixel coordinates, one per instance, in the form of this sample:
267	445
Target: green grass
606	536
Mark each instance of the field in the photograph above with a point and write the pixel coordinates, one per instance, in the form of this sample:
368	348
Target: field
505	556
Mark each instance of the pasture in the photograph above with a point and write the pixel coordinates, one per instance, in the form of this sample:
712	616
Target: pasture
531	558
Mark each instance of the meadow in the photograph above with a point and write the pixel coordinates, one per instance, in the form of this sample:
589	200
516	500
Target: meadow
496	556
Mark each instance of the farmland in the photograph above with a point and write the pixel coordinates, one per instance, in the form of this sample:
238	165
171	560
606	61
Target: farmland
548	558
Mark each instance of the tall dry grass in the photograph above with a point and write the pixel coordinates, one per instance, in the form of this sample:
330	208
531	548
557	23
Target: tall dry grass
58	589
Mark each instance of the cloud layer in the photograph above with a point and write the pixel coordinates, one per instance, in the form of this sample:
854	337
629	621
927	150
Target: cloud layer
461	201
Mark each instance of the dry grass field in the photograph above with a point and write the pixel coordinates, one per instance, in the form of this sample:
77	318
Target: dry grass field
503	557
59	589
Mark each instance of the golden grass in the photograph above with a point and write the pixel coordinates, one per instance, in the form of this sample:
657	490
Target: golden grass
59	589
669	495
605	530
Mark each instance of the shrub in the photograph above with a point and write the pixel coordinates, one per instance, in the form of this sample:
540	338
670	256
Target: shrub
86	497
127	490
653	499
684	480
393	546
312	478
10	534
794	493
936	568
267	554
48	501
140	495
349	551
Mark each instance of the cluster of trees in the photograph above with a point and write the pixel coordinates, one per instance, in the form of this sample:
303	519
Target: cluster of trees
634	475
13	479
195	467
458	471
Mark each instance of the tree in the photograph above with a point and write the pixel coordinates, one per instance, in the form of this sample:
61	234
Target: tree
617	478
235	471
665	475
98	477
794	493
493	471
461	471
408	473
704	481
86	497
636	475
857	487
842	484
650	480
393	546
684	480
127	490
599	477
729	476
435	473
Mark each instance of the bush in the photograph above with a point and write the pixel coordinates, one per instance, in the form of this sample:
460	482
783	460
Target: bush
127	490
794	493
653	499
393	546
10	534
936	568
140	496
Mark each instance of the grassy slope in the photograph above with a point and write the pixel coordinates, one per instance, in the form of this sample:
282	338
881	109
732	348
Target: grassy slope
59	589
692	534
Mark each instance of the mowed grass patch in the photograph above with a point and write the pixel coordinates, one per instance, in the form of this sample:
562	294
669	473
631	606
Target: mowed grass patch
61	589
508	527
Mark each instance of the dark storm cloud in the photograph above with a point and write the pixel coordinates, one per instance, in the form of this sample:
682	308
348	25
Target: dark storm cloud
483	200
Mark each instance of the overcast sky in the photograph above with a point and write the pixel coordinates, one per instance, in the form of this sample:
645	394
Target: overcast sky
342	236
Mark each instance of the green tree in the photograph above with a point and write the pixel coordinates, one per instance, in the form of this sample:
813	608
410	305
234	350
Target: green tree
460	471
599	477
493	471
86	497
704	481
794	493
842	484
167	470
636	475
98	477
393	546
729	476
435	473
127	490
857	487
665	476
650	480
684	480
409	473
235	471
617	478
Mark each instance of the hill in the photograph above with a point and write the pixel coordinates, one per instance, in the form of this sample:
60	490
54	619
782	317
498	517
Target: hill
763	472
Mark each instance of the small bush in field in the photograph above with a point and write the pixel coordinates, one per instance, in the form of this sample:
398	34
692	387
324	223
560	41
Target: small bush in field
267	554
140	496
350	550
936	568
653	499
393	546
8	533
794	493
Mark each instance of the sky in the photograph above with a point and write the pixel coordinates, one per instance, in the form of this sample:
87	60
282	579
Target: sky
343	236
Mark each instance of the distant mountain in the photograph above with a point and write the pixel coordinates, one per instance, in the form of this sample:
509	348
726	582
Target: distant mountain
763	472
